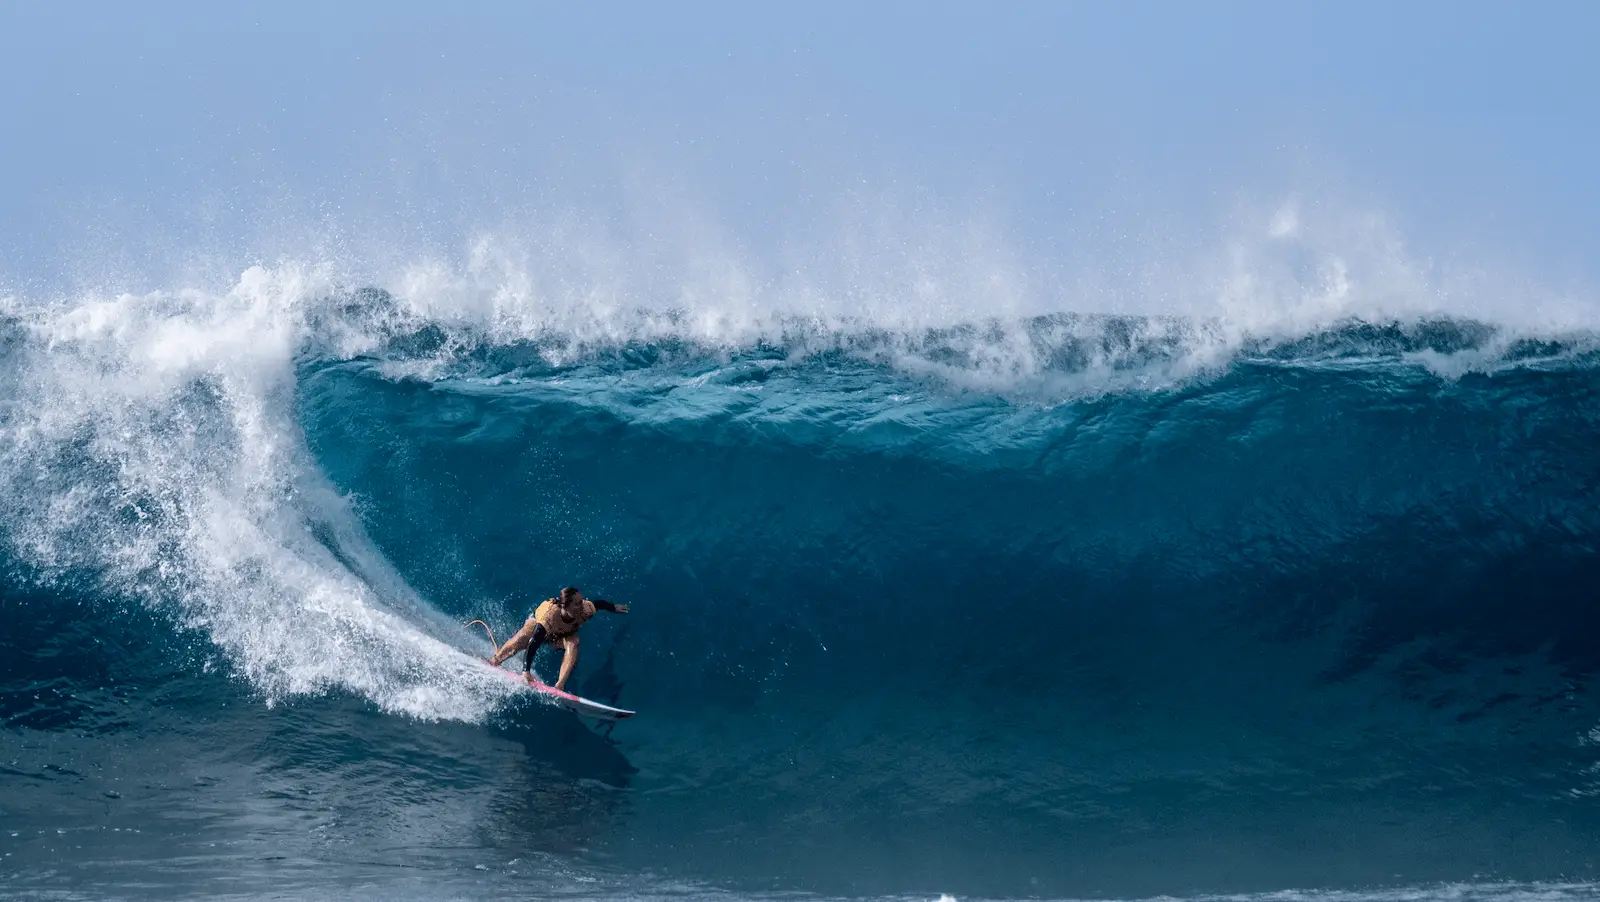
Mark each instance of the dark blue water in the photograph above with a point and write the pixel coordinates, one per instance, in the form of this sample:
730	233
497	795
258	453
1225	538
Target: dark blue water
1057	607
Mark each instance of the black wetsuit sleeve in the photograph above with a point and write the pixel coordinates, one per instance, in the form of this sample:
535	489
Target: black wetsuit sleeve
539	635
601	604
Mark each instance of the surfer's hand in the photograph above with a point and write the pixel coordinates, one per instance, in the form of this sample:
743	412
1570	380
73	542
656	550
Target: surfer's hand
622	609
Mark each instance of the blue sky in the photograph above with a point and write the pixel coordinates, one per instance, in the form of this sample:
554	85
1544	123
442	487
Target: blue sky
135	130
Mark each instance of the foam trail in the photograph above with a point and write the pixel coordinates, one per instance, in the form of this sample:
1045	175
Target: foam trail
151	440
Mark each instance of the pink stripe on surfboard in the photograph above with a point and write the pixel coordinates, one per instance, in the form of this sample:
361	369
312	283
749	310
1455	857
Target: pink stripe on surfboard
621	713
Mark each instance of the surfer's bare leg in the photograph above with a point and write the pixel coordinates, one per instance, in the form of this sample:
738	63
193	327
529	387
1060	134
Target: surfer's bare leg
569	661
539	635
516	643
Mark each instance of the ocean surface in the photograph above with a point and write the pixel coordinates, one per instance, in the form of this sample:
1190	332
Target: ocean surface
1052	606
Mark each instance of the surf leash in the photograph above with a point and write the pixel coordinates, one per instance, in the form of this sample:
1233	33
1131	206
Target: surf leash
487	630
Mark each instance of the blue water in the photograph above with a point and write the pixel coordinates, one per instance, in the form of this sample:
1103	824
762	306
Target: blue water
1056	606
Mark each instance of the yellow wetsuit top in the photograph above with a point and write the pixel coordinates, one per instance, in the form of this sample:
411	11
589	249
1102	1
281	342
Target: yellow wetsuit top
557	623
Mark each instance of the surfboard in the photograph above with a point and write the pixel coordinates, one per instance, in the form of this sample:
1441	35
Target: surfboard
578	705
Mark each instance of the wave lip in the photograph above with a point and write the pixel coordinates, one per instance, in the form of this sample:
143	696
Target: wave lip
1048	358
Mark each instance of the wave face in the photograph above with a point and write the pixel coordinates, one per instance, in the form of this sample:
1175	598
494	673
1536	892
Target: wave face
1046	606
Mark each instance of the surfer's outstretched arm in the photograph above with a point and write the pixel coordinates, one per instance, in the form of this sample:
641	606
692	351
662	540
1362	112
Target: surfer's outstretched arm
601	604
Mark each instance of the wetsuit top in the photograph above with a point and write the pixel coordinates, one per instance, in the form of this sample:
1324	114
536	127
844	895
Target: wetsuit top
549	612
558	622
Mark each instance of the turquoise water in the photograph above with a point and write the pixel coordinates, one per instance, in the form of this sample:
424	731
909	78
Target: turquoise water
1040	607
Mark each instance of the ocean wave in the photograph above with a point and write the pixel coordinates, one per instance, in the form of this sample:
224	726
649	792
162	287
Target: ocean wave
1194	567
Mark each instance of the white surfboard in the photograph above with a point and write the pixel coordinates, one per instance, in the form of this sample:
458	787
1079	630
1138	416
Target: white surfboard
581	706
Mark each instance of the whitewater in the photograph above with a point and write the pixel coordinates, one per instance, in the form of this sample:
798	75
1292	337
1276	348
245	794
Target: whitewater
1271	579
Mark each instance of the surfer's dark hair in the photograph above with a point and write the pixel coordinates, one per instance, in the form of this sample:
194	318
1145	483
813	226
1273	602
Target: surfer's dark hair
568	594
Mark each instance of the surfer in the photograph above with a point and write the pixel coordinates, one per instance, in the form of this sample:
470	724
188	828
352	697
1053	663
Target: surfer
555	621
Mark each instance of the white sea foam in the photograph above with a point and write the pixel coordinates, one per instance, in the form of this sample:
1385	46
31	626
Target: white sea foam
1162	313
150	440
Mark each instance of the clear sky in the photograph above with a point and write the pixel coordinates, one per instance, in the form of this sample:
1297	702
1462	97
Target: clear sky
135	130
